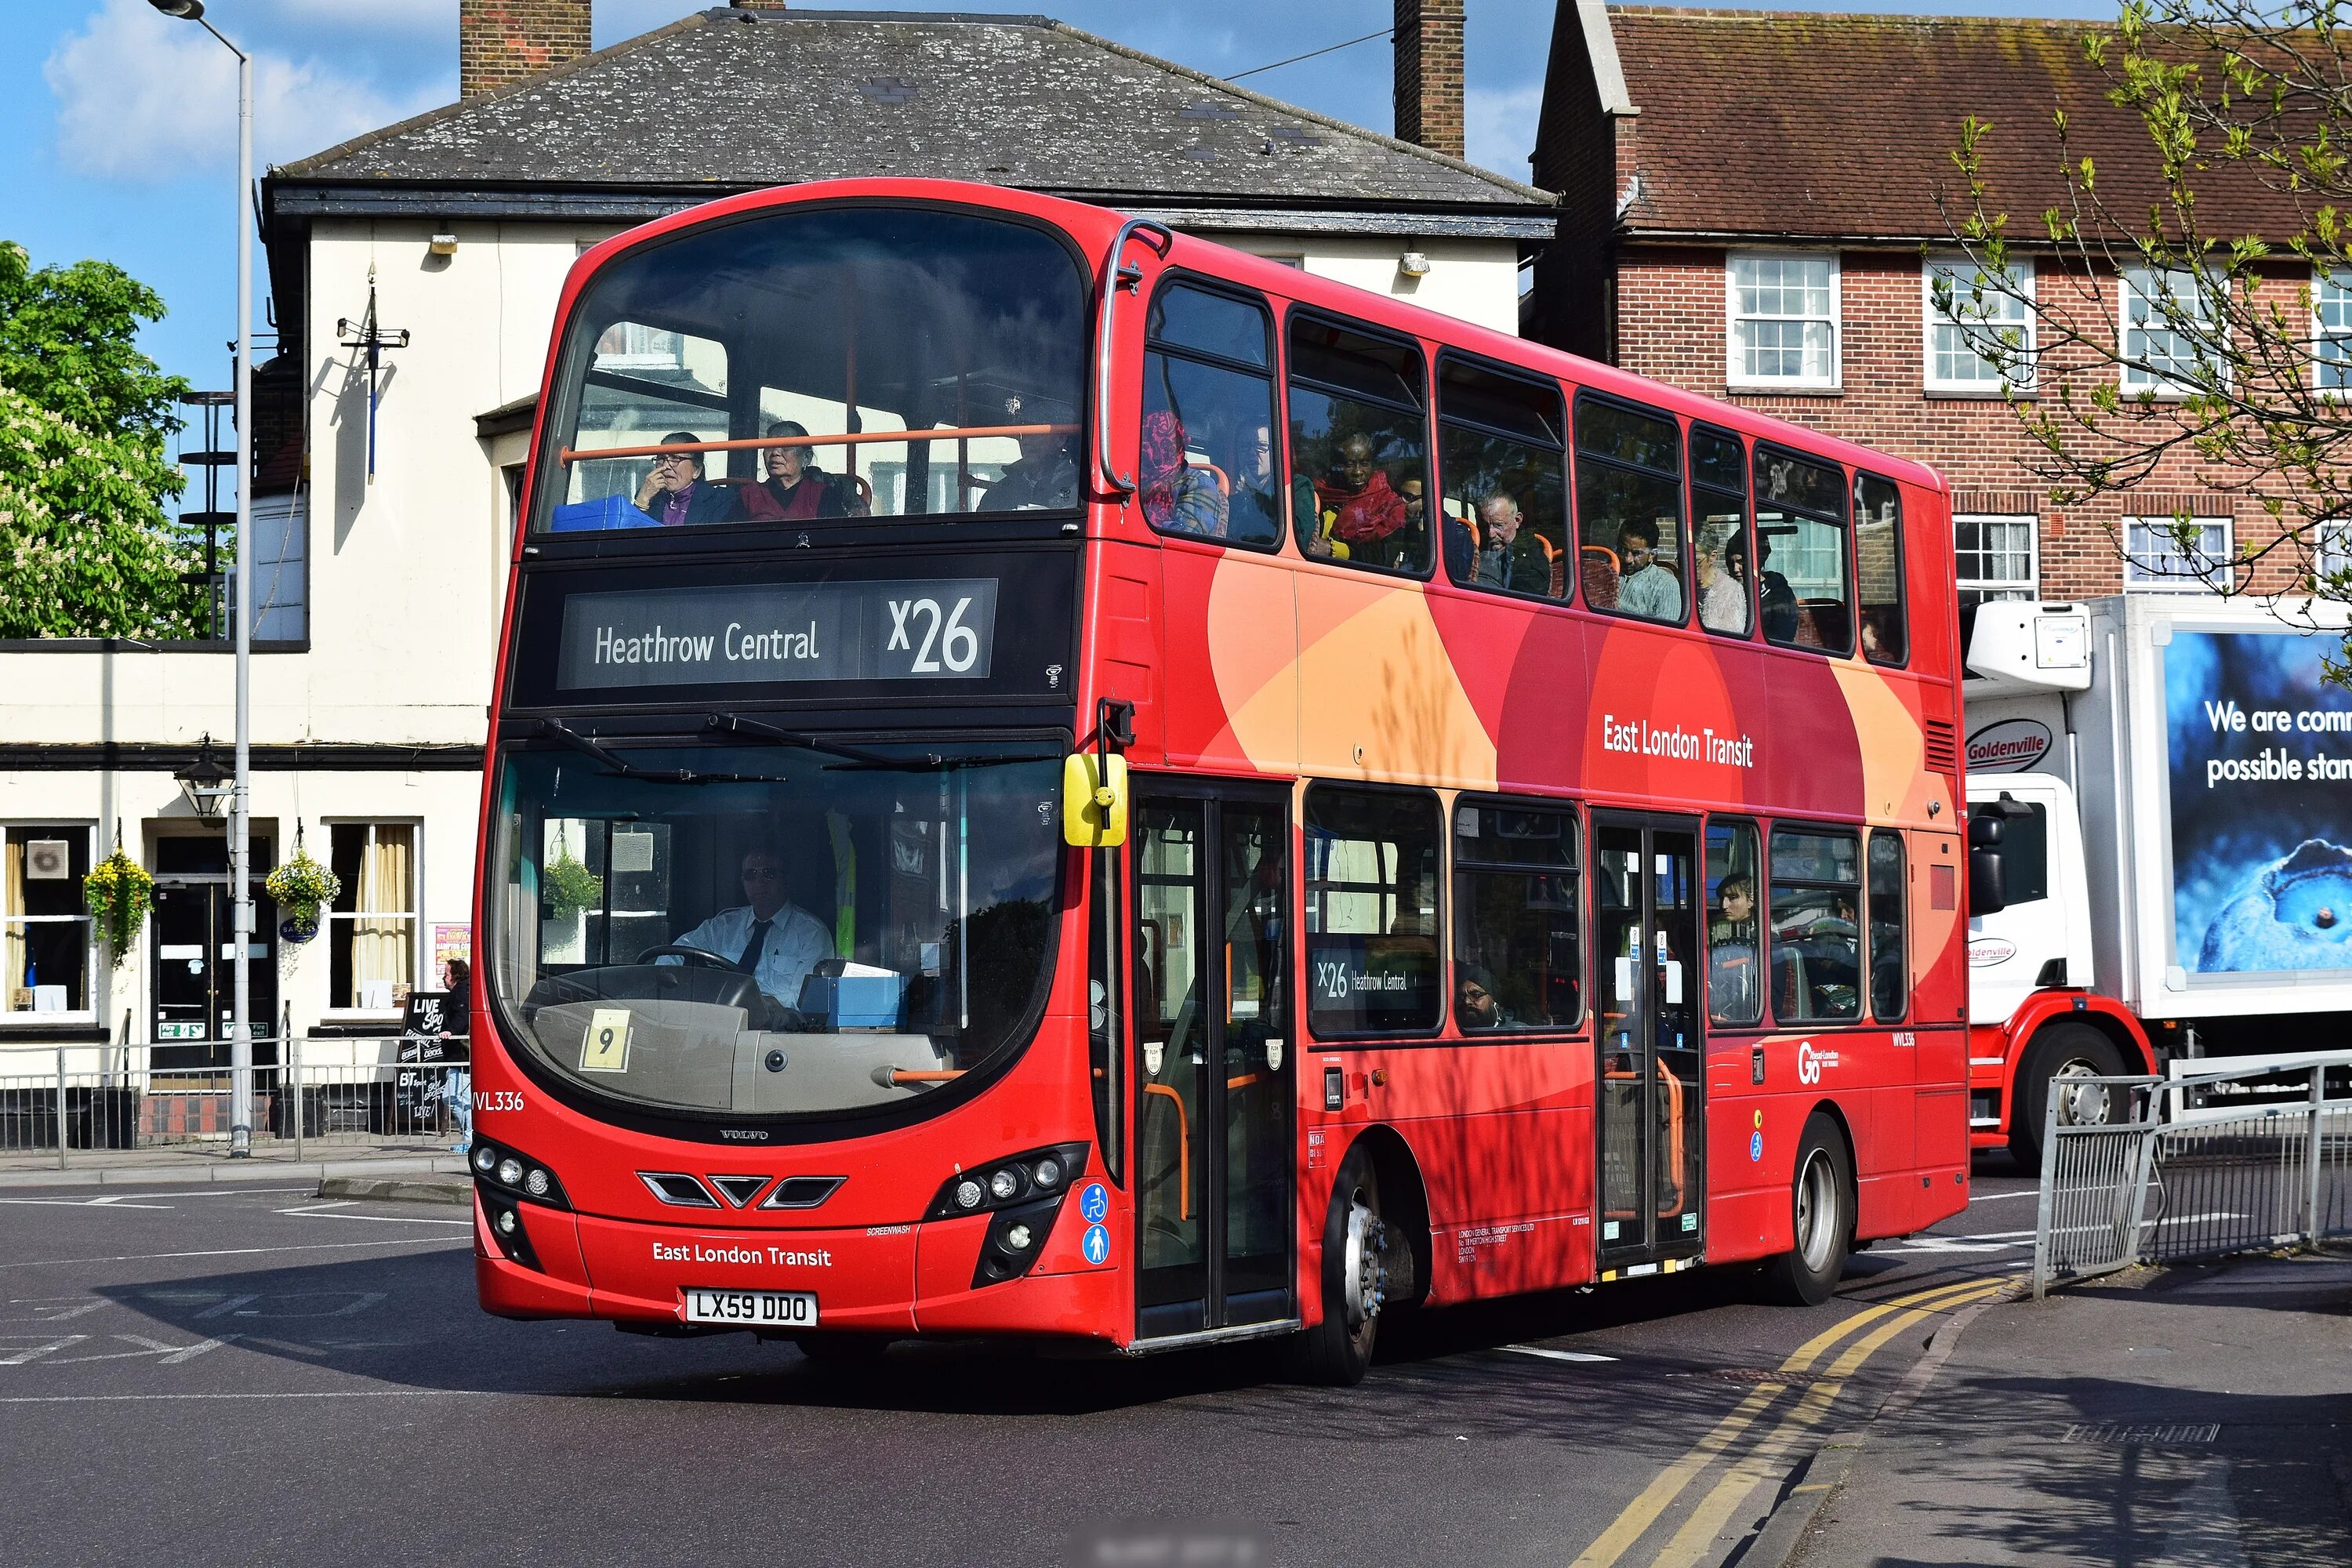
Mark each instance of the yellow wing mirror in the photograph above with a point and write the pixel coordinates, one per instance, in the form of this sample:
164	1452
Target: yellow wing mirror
1094	800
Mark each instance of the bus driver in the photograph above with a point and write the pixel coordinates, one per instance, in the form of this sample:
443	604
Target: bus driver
775	942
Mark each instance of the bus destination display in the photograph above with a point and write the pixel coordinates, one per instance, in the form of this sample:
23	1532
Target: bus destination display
942	629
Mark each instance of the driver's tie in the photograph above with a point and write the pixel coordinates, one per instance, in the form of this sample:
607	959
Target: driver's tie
749	963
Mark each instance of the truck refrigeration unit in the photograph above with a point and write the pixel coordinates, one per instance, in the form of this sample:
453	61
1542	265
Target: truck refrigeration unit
2160	797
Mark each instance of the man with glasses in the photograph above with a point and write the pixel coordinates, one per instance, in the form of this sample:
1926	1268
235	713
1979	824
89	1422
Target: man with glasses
775	942
675	493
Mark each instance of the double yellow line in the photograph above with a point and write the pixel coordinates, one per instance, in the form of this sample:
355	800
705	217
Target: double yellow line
1742	1477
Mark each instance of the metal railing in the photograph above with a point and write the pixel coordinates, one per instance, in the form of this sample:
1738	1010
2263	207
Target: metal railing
2210	1161
77	1102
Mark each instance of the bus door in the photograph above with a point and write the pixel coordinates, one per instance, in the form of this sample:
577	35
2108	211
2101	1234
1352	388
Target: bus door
1214	1059
1648	1119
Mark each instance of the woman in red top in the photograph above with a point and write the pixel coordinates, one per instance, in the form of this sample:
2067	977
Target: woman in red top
794	489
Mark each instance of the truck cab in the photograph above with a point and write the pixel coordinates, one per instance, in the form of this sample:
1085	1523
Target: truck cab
2040	936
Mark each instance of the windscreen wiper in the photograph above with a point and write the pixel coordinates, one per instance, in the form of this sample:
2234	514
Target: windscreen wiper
736	724
555	730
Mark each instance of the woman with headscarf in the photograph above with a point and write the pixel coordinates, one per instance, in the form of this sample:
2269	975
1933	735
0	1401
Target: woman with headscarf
1177	497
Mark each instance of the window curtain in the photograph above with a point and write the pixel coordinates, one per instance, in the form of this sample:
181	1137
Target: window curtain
383	936
12	932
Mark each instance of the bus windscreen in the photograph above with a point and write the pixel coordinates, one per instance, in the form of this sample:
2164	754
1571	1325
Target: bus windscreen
772	930
832	362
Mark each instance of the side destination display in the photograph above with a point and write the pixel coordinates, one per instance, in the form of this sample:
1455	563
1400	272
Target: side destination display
937	629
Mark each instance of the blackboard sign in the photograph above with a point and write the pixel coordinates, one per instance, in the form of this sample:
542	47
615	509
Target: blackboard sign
432	1013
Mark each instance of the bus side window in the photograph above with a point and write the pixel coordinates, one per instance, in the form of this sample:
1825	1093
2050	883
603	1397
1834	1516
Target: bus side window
1719	552
1735	958
1359	447
1890	977
1517	959
1800	560
1208	463
1816	931
1628	510
1504	522
1372	920
1878	569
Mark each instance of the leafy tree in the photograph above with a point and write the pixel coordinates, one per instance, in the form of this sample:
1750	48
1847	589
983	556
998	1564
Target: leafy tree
85	418
2239	196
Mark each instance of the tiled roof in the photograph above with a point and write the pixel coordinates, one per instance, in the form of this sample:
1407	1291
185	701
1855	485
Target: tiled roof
1819	124
734	99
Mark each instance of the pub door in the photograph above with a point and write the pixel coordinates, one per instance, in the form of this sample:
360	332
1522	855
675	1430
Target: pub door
195	947
1649	1122
1214	1059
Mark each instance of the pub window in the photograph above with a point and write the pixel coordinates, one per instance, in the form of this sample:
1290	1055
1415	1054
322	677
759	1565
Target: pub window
1890	978
1816	934
1629	509
1878	569
1517	959
1719	468
1505	476
1735	955
1359	447
1803	596
1207	464
45	926
1371	913
371	929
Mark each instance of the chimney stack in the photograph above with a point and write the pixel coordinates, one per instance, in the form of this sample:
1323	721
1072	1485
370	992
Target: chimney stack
499	42
1429	74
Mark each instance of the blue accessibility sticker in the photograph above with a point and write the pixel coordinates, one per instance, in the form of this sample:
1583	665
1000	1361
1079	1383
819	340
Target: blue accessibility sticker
1756	1146
1093	1203
1096	1245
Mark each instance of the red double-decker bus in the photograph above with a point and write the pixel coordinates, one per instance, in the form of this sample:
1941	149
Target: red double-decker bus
1051	778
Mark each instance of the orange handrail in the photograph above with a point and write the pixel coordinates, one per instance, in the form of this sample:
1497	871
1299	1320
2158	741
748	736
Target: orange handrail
1244	1081
913	1075
1183	1150
844	438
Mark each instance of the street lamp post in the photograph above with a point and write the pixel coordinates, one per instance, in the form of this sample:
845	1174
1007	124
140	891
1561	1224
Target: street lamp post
241	836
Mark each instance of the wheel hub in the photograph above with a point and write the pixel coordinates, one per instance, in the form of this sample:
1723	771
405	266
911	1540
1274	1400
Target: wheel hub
2081	1104
1365	1269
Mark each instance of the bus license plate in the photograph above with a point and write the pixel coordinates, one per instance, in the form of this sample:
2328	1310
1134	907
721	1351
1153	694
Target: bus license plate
759	1308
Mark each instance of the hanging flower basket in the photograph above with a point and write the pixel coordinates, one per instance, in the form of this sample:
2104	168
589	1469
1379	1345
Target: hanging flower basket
567	887
119	892
302	888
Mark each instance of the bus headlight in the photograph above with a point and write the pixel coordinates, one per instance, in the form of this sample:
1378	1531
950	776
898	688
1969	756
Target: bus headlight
516	1174
968	1193
994	1186
1046	1172
511	1171
1016	1240
1005	1186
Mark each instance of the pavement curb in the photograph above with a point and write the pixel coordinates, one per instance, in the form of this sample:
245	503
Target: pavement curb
224	1170
394	1189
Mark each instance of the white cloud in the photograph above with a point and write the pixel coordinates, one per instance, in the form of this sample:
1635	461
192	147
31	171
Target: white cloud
1499	127
143	97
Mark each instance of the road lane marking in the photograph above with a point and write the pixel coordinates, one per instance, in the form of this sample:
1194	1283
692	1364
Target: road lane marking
38	1352
83	1203
308	1393
1698	1532
223	1252
1550	1354
1669	1483
378	1218
1991	1197
323	1208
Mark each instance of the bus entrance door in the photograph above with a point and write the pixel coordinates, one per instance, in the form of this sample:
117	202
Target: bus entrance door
1649	1122
1214	1061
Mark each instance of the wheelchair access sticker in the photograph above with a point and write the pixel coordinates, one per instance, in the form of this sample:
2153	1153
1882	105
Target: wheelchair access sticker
1094	1203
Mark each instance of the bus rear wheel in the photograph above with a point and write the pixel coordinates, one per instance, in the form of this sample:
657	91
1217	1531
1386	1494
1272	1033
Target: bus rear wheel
1821	1219
2060	1056
1357	1268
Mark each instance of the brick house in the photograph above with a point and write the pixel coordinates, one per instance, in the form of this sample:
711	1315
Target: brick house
1749	208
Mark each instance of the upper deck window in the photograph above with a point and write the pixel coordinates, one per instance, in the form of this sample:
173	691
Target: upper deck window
1719	527
779	369
1801	575
1629	508
1207	464
1878	568
1505	476
1359	447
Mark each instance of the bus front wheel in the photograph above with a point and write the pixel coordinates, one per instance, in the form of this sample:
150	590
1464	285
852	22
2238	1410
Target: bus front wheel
1357	1270
1820	1219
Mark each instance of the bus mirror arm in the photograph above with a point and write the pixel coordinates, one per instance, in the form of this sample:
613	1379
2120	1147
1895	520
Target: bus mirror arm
1118	275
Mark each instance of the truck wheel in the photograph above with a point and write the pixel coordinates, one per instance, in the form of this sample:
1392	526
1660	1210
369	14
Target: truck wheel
1820	1219
2060	1052
1357	1268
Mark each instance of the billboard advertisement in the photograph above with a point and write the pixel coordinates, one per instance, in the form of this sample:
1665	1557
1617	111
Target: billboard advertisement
2262	802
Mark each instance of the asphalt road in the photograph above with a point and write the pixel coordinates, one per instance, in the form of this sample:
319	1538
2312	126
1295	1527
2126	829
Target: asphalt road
256	1374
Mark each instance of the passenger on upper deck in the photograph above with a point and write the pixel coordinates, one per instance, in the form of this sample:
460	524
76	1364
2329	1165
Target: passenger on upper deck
1045	475
1508	557
794	489
1644	588
1777	602
1362	512
1255	509
675	493
1177	497
775	942
1722	594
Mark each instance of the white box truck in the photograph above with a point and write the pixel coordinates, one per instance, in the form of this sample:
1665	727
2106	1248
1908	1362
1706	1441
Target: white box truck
2159	793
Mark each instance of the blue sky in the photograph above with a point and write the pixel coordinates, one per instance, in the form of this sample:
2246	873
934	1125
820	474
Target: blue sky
117	125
